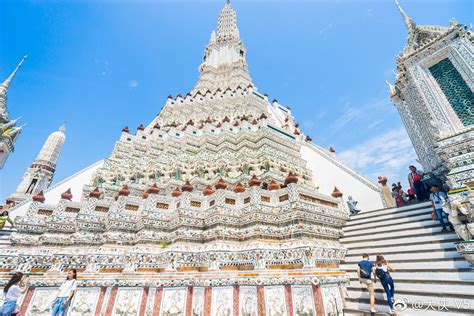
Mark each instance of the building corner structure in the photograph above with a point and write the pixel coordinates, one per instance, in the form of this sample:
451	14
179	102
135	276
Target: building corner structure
433	92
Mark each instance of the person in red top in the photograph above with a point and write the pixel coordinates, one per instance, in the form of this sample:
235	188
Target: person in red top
414	178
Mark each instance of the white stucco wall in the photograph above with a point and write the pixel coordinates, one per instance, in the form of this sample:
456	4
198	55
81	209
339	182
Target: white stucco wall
329	172
53	194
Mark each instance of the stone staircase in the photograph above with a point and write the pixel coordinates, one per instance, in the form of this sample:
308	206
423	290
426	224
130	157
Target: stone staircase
431	278
5	236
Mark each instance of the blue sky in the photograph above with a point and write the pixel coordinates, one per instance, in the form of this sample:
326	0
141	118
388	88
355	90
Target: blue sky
101	65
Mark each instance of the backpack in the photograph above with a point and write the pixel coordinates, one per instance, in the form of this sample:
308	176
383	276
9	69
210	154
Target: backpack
381	274
364	273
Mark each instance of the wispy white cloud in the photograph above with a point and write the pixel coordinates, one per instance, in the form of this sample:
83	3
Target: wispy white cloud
133	84
375	123
388	154
326	28
103	65
368	114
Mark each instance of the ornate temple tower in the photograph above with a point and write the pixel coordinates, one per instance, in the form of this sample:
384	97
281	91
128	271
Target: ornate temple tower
433	92
39	175
9	132
211	205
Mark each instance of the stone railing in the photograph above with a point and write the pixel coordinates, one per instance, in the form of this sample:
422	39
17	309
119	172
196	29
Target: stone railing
461	215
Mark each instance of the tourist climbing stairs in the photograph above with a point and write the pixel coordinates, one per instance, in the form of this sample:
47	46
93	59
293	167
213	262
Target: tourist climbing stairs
431	278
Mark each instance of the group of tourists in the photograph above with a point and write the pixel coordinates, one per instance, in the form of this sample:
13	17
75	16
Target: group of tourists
368	272
419	186
19	284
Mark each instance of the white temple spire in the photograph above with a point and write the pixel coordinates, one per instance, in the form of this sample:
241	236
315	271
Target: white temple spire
224	64
39	175
227	24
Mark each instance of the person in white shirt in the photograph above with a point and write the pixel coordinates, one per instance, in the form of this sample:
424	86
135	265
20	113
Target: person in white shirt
17	285
65	294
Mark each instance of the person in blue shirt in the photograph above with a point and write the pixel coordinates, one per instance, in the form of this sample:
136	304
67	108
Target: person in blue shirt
437	199
364	273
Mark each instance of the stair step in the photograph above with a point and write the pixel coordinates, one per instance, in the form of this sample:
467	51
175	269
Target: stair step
389	216
453	290
426	217
452	274
428	223
415	255
394	234
397	249
420	265
384	211
462	303
402	240
441	273
426	281
361	307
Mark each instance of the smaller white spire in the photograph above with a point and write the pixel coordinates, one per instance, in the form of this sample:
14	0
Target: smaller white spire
391	88
3	92
52	147
7	81
6	126
409	23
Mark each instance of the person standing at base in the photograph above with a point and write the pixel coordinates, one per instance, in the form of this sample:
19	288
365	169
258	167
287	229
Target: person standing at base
437	198
65	294
414	178
364	272
382	271
13	290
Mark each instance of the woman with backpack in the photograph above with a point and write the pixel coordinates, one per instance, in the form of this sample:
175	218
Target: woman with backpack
65	293
382	271
13	290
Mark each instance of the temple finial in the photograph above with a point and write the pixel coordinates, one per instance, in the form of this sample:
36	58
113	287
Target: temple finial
391	88
6	83
62	128
409	23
